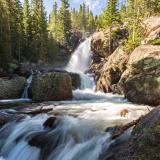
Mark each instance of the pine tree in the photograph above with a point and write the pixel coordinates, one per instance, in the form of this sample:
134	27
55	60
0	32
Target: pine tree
15	13
39	31
53	21
134	17
74	20
5	45
111	17
64	23
27	28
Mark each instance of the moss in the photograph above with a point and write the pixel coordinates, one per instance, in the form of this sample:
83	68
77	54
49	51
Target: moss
148	147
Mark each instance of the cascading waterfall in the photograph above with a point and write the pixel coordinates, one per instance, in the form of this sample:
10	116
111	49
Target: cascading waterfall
79	63
81	136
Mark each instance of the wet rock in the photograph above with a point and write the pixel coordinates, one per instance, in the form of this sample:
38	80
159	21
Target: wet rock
141	80
50	122
51	86
112	71
76	80
11	88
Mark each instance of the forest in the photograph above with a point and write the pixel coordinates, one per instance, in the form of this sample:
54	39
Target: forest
79	80
27	34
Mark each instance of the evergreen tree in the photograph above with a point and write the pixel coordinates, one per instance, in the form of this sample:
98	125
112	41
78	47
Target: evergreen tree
5	45
15	13
74	20
53	21
39	31
134	18
64	23
27	28
111	17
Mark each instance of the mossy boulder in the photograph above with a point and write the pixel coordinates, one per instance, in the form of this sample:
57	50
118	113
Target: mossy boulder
141	80
11	88
143	89
144	141
51	87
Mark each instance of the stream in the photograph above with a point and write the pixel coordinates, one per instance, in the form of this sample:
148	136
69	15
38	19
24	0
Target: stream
79	130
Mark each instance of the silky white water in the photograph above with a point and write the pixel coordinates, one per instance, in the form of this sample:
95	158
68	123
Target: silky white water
79	130
79	63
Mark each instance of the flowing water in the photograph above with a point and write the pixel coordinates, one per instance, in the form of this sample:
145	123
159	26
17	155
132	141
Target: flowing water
78	132
28	83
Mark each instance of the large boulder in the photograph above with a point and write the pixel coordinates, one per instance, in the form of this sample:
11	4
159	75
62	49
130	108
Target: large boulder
51	86
141	80
144	141
11	88
112	71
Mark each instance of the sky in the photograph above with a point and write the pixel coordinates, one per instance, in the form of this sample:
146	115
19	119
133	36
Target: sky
95	5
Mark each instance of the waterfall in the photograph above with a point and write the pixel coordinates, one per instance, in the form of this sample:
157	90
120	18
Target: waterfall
79	63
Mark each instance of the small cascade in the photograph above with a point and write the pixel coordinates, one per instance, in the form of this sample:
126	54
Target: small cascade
28	83
79	63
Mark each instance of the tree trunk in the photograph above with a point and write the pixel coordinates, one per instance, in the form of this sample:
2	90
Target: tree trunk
110	40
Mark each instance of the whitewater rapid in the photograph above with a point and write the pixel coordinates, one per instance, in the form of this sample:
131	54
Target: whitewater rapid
79	131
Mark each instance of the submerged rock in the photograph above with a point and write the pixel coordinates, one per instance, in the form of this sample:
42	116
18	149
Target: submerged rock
11	88
51	86
50	122
141	80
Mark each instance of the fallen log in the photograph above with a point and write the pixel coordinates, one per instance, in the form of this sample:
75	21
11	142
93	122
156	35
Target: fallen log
120	130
